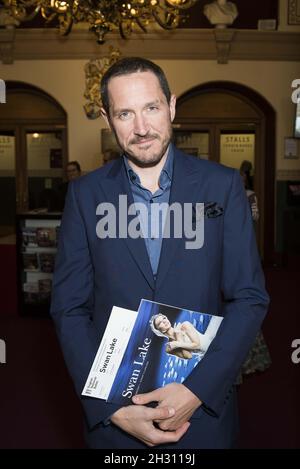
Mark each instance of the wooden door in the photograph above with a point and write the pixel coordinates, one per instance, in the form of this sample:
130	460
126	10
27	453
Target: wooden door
232	127
28	111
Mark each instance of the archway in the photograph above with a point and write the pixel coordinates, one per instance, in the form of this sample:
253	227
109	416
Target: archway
33	146
216	112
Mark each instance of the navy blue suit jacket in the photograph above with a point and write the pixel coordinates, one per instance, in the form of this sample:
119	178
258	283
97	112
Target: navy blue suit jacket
224	277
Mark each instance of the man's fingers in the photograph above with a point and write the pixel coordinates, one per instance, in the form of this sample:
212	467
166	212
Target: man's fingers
143	399
158	437
180	431
160	413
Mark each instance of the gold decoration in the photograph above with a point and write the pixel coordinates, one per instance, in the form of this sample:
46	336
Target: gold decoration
102	16
94	71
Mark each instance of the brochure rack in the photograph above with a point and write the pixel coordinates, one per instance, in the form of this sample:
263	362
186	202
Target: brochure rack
37	235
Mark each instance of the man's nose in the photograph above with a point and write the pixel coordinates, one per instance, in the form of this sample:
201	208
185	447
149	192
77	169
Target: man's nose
141	127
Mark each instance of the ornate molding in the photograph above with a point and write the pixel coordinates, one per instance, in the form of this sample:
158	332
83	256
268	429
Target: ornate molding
94	71
7	42
188	44
224	38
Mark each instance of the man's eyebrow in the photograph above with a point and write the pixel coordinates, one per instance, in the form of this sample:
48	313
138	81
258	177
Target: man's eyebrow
149	104
119	111
153	103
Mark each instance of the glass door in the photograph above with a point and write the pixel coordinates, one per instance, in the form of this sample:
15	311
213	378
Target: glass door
237	147
197	142
7	183
45	161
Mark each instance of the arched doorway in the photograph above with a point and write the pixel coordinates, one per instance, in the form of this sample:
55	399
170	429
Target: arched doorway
33	149
228	122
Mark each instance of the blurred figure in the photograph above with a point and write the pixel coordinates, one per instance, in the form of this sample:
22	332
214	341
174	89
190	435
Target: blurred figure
73	171
258	358
109	155
245	171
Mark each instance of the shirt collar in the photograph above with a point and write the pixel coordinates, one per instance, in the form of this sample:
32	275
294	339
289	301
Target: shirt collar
165	175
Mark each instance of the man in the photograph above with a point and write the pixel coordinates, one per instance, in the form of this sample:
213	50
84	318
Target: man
73	171
94	273
109	155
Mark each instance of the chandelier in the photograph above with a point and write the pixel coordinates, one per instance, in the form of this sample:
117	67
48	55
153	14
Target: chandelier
103	16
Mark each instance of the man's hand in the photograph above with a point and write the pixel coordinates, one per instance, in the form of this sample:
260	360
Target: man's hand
254	211
176	396
138	421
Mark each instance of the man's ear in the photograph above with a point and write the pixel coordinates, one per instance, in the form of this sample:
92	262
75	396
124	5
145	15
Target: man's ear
105	117
172	107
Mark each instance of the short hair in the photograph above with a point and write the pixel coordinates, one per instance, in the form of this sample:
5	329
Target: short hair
246	166
127	66
245	169
75	163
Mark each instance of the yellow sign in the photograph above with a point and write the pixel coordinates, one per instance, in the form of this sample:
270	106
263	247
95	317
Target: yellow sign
235	148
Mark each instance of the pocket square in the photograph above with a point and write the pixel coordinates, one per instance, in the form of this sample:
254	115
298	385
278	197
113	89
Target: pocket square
211	210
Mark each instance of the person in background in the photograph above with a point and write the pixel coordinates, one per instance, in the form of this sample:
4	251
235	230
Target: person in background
245	171
110	155
258	358
73	171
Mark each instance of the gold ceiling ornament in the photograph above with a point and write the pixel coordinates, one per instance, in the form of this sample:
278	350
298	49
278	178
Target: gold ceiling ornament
94	71
103	16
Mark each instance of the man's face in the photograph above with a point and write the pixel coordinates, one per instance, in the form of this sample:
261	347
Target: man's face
140	117
72	172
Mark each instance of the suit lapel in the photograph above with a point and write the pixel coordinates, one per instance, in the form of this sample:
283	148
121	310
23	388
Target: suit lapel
115	184
185	186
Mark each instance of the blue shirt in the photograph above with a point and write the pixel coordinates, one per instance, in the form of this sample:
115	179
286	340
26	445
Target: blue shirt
152	235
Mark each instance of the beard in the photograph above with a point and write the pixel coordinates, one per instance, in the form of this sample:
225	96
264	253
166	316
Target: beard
141	157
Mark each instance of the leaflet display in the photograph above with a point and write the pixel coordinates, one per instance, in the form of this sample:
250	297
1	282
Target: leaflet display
37	246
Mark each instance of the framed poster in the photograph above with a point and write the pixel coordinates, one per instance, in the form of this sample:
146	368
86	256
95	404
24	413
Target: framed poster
291	148
293	12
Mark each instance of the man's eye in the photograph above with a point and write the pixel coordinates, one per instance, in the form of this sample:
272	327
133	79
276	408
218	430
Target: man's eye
152	108
124	115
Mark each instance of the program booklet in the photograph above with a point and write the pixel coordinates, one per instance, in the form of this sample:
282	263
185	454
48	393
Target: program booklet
148	349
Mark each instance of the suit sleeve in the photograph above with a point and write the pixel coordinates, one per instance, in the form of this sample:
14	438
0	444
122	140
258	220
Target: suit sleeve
72	306
244	306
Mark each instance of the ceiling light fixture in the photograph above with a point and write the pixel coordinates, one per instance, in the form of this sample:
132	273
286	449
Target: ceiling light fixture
103	16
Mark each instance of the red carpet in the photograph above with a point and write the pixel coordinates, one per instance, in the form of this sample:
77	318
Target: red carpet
39	409
269	402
